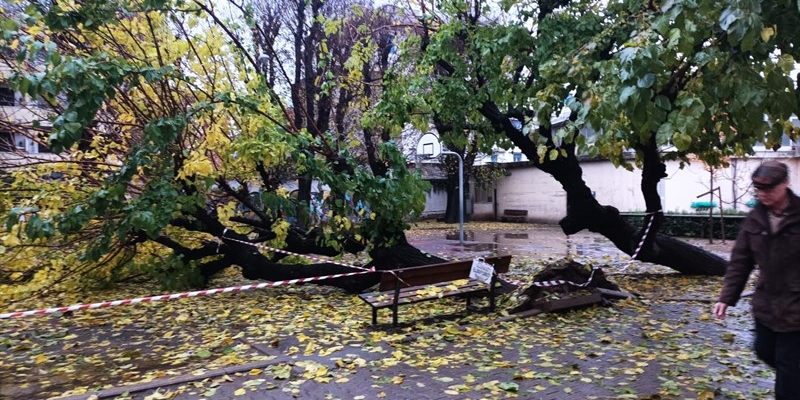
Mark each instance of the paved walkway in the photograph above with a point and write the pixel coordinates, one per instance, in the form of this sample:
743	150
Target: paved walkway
659	347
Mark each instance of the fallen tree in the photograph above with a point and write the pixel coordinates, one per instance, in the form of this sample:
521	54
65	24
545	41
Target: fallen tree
171	147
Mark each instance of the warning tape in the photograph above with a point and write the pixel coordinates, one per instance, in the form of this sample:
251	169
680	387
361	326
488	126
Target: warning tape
163	297
591	276
563	282
635	255
652	216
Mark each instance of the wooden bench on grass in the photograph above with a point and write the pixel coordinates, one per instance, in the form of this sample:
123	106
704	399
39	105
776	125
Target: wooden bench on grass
410	285
514	215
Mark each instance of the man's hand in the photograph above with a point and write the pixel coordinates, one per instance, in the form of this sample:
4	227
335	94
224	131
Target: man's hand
719	310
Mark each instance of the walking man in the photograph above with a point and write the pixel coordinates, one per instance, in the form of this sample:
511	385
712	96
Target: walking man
770	238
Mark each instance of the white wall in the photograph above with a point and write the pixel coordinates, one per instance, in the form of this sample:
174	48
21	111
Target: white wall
533	190
483	211
682	186
435	202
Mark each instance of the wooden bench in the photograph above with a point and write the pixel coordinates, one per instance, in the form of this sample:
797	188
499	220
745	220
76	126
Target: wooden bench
514	215
430	282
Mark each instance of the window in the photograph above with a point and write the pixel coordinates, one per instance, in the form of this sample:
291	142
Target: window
484	194
43	148
517	157
6	96
7	142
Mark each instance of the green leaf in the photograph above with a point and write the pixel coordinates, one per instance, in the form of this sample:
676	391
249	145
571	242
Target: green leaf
203	353
627	92
682	141
646	81
509	386
663	103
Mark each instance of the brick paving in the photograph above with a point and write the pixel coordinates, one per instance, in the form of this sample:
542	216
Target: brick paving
655	350
534	371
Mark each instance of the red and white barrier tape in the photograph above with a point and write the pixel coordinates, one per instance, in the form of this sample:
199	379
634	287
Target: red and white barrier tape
312	258
652	216
563	282
635	255
629	262
164	297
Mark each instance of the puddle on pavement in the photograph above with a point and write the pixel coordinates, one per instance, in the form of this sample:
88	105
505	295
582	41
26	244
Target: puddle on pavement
539	242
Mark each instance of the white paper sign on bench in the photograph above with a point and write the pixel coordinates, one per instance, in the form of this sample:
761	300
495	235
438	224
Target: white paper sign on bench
481	271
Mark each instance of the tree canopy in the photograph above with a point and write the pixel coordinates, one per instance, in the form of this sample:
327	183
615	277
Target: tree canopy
174	123
169	131
706	80
661	80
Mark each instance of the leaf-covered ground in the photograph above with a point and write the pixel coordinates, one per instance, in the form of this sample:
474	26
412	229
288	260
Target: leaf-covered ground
316	342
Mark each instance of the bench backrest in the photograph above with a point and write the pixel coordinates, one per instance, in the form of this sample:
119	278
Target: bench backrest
521	213
435	273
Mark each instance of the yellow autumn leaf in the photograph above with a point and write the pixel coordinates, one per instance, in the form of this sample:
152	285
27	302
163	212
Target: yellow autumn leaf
767	33
706	395
240	392
40	358
11	240
330	350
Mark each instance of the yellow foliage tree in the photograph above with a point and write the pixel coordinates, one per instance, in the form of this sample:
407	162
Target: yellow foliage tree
168	140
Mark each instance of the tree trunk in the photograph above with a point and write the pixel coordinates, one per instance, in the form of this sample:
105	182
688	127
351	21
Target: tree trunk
452	210
664	250
584	212
257	266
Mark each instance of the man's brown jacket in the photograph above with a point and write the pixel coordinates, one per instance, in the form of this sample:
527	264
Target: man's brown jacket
776	302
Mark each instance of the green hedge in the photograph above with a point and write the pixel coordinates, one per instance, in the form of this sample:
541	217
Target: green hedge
688	225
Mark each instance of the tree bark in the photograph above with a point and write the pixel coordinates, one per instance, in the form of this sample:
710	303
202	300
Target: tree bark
257	266
584	212
452	210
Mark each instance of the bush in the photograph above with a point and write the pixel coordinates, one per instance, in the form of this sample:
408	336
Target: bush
692	225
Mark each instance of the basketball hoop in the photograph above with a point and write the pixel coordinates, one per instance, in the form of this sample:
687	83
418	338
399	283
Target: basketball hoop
429	146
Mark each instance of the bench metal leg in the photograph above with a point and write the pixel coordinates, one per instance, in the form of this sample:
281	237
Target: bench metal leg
492	283
374	316
394	305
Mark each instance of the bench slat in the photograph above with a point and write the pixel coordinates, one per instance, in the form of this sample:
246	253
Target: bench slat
413	289
385	299
521	213
435	273
405	284
511	215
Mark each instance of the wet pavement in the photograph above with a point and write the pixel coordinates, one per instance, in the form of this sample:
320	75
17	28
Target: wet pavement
544	241
652	348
